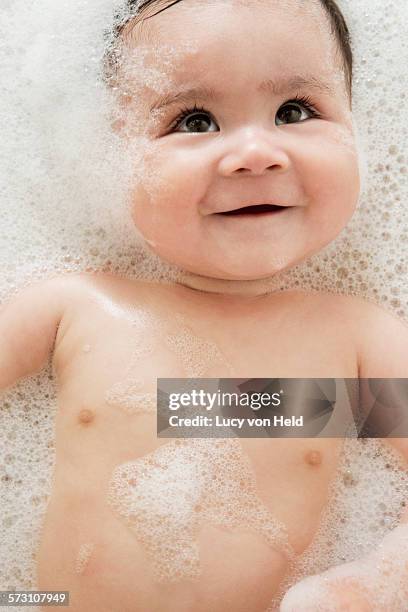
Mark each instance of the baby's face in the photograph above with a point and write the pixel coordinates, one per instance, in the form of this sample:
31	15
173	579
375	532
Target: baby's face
244	140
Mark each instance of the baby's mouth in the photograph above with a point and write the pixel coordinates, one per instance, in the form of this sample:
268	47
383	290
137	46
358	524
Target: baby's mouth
256	209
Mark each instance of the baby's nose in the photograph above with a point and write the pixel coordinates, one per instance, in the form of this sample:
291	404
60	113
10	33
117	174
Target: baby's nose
253	152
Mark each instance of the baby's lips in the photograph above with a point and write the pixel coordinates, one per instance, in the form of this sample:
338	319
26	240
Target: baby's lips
255	205
225	205
253	208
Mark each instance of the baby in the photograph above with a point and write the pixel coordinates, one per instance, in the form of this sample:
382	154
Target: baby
249	166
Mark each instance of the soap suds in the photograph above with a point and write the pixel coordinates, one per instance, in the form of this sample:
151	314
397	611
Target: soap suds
168	495
83	557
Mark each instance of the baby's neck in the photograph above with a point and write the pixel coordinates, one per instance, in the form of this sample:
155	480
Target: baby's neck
239	288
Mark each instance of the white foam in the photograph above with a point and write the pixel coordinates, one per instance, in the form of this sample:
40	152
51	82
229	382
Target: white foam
166	497
83	557
376	582
197	356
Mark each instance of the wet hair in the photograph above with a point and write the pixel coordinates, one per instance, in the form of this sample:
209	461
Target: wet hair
137	8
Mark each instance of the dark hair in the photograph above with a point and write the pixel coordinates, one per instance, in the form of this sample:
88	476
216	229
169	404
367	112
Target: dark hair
138	7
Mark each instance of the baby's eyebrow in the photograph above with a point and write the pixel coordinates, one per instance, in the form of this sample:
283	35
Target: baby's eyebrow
268	86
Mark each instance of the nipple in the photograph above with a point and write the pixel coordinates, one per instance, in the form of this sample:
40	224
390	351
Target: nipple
86	416
313	458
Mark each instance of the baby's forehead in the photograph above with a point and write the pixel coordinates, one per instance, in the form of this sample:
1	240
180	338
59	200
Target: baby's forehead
163	67
183	20
161	52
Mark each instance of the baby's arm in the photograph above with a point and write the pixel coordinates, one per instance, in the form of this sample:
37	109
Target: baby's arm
379	581
375	583
28	328
383	353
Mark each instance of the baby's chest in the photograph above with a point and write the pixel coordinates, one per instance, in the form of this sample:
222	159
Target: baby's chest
116	365
234	349
177	341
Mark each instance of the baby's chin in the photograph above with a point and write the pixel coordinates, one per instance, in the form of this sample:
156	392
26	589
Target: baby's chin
255	265
228	270
245	268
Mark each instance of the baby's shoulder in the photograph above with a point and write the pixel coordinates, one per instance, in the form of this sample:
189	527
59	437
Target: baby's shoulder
380	336
72	298
92	287
326	308
358	312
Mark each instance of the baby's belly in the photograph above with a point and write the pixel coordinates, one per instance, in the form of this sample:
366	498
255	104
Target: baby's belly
187	527
113	573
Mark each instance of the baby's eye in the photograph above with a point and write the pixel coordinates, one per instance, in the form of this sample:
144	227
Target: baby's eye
291	112
194	120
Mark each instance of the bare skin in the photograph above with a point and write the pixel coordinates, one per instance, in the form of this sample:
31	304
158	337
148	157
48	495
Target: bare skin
102	321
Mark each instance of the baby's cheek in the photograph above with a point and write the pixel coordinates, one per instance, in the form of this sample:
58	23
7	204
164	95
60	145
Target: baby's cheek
345	155
332	190
348	178
178	180
163	204
339	182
